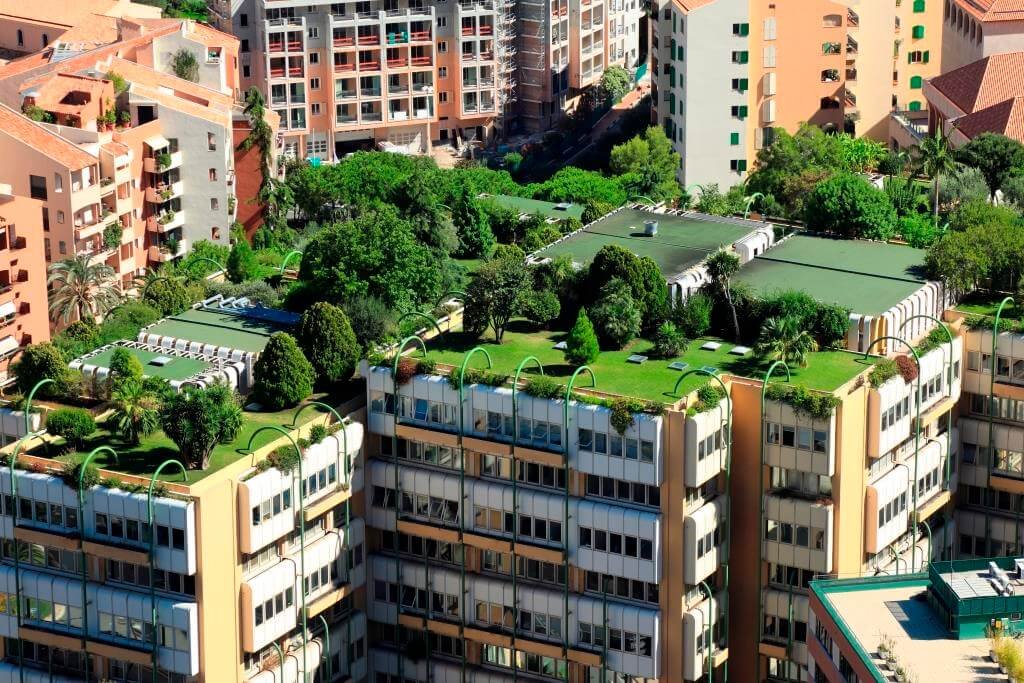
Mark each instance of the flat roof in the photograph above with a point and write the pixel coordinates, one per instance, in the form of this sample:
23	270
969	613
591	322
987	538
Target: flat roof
175	369
866	277
682	241
220	328
872	609
546	209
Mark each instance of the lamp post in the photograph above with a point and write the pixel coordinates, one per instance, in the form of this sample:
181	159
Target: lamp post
992	410
710	638
152	555
565	498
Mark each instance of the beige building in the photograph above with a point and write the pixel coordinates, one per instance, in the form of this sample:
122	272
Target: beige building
29	27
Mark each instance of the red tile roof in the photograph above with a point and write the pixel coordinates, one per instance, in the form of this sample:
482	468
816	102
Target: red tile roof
1006	118
983	83
31	134
994	10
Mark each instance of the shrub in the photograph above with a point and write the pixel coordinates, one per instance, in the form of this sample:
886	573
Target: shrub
622	413
477	376
196	419
693	316
581	344
284	458
371	319
818	405
508	252
708	397
541	307
328	341
907	367
283	376
669	341
883	371
71	471
185	65
542	386
616	316
850	206
39	362
242	264
407	368
317	433
124	365
257	291
74	424
171	296
126	320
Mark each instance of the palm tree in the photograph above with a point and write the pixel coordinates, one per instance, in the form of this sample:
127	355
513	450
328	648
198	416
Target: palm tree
721	266
935	158
79	289
260	134
136	410
782	339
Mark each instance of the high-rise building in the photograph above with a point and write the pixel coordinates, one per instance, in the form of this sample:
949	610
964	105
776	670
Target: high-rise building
728	73
405	75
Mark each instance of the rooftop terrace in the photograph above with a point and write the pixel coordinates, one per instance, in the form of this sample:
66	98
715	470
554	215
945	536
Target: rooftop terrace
866	277
986	304
652	380
532	206
176	369
682	241
219	328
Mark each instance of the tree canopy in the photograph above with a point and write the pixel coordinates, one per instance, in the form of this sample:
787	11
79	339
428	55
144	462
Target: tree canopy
848	205
996	156
196	419
648	164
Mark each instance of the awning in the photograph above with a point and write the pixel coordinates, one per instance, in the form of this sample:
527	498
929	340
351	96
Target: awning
8	345
7	309
157	142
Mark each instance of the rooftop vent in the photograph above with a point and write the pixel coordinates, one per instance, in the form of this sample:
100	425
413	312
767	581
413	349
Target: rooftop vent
650	228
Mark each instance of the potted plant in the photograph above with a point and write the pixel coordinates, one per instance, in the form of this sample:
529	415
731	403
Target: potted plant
125	118
163	160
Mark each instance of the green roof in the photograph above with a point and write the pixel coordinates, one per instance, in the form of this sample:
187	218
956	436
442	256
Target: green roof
866	277
176	369
651	381
220	328
985	304
681	243
531	206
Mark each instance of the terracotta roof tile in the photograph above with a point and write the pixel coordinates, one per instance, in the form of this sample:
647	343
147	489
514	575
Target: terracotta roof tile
32	134
994	10
1006	118
687	6
983	83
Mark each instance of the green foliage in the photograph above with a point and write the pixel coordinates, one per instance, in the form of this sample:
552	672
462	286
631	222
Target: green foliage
904	195
622	413
996	156
38	114
1013	191
721	267
849	206
581	344
377	255
936	338
884	370
475	239
708	398
826	323
284	458
191	264
242	265
571	184
117	80
541	307
171	296
476	376
43	361
917	230
124	365
496	292
711	201
693	316
258	291
669	341
596	209
371	319
956	260
317	433
615	316
513	160
542	386
504	223
419	204
540	237
112	235
126	320
185	65
986	247
641	275
71	472
960	185
650	164
197	419
136	409
817	405
282	375
978	213
784	339
508	252
614	84
328	341
74	424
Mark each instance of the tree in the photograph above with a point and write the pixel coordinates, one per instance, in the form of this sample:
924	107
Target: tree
185	65
328	341
693	316
170	296
38	362
849	206
474	232
935	158
124	365
581	345
669	341
996	156
282	375
721	267
615	316
496	292
614	84
571	184
196	419
371	319
643	277
136	410
957	260
541	307
712	202
650	164
419	205
962	184
261	135
80	289
242	263
783	339
73	424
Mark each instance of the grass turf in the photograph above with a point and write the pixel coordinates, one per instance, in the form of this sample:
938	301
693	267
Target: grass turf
681	242
652	381
177	369
531	206
984	304
143	459
218	328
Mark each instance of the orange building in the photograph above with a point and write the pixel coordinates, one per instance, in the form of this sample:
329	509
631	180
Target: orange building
23	306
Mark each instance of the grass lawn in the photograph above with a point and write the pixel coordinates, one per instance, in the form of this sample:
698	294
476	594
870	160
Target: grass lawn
653	380
980	303
142	460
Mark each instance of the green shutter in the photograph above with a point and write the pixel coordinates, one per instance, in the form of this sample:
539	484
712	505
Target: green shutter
917	32
743	111
671	76
925	56
734	138
672	49
741	166
744	84
915	106
744	29
910	58
918	6
674	23
671	104
915	82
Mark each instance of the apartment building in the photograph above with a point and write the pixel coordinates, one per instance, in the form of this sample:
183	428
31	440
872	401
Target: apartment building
27	27
129	177
23	307
975	29
728	73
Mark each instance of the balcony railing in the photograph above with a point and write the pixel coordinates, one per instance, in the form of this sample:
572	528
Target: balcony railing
344	66
344	94
398	63
421	61
400	89
369	39
344	41
369	92
372	116
369	66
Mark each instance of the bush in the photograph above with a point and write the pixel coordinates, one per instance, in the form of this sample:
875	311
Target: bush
819	406
284	458
372	321
541	307
693	316
883	371
622	413
124	365
907	367
616	316
708	397
74	424
242	265
258	291
71	472
126	320
283	376
508	252
196	419
542	386
850	206
669	341
171	296
407	369
328	341
477	376
581	344
43	361
829	325
317	433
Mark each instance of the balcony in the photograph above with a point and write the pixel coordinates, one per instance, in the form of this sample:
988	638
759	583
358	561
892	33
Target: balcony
349	94
369	65
368	39
342	67
369	92
162	253
345	120
420	37
165	221
398	89
164	193
421	61
371	117
343	40
398	63
155	164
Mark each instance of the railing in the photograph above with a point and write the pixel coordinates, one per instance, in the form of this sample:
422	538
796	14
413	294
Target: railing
278	99
369	39
421	61
398	115
344	94
369	92
275	47
372	116
344	66
344	119
417	36
369	66
468	30
287	21
344	41
398	63
398	89
295	45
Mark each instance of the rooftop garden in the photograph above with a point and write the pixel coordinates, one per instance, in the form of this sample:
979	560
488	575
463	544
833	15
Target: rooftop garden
980	308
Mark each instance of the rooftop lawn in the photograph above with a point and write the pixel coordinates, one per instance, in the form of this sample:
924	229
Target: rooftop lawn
219	328
981	303
142	460
177	369
681	243
651	381
531	206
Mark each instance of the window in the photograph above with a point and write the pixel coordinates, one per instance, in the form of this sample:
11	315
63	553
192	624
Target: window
243	20
37	187
740	57
738	165
246	71
917	32
314	109
211	142
314	57
313	32
739	111
918	6
442	96
244	46
21	38
442	46
741	29
740	84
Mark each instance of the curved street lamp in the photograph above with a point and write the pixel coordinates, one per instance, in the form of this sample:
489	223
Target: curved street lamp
750	202
992	409
288	257
152	554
